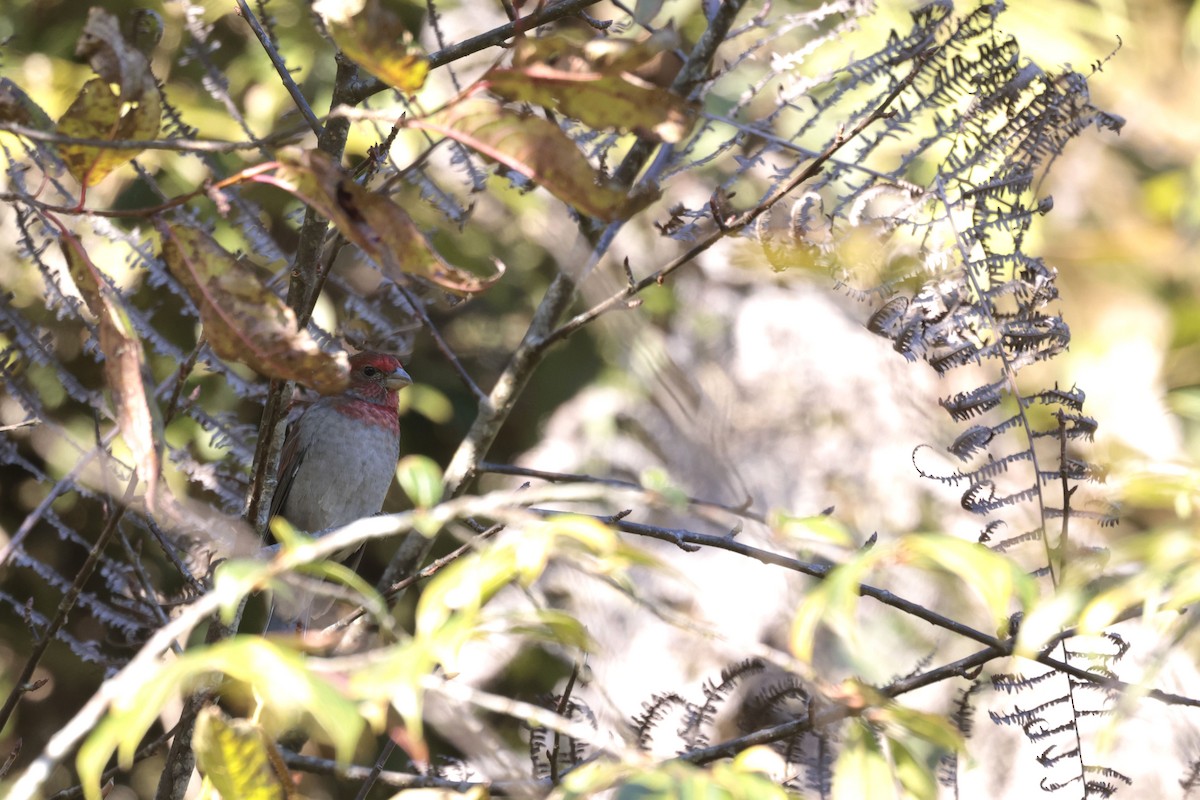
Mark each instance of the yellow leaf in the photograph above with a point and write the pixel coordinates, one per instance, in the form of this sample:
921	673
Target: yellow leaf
239	760
98	113
377	40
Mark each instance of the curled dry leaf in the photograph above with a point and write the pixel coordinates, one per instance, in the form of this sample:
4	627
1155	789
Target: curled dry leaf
245	321
113	59
603	82
538	149
655	58
372	221
620	101
377	40
124	366
134	111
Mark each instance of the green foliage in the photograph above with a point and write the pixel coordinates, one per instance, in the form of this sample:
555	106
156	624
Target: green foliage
238	759
421	480
278	678
742	778
997	581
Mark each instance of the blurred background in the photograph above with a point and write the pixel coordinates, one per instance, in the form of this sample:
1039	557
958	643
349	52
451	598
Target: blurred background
1122	235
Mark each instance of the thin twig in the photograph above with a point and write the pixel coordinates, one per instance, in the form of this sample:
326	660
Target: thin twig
742	510
442	345
215	146
281	69
376	769
495	37
726	228
399	780
429	570
66	604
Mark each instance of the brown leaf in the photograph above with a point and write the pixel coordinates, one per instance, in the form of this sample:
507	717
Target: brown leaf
134	111
538	149
97	114
124	366
372	221
114	59
245	321
18	107
377	40
579	49
621	101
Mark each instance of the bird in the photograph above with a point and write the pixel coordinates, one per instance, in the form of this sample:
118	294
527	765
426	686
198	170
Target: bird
339	456
337	463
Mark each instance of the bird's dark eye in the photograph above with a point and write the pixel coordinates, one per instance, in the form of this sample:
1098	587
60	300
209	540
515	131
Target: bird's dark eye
370	372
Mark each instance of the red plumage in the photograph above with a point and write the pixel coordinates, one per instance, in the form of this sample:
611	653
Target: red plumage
340	454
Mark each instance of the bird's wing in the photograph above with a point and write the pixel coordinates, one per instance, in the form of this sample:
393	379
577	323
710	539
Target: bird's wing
289	463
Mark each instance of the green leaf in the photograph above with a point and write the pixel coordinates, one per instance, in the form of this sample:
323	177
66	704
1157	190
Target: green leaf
833	604
428	402
861	770
421	479
289	692
463	587
396	673
658	480
900	721
801	530
233	580
238	759
995	578
916	775
549	625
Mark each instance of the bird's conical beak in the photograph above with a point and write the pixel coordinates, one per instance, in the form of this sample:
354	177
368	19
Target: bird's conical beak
398	379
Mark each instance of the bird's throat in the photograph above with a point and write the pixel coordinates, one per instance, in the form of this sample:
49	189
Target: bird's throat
382	414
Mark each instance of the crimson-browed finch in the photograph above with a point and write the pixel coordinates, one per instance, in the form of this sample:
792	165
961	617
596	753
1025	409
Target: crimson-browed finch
340	454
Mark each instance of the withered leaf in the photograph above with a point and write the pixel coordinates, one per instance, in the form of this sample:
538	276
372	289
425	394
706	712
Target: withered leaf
113	59
134	111
372	221
377	40
97	114
245	321
620	101
124	366
16	106
579	49
538	149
